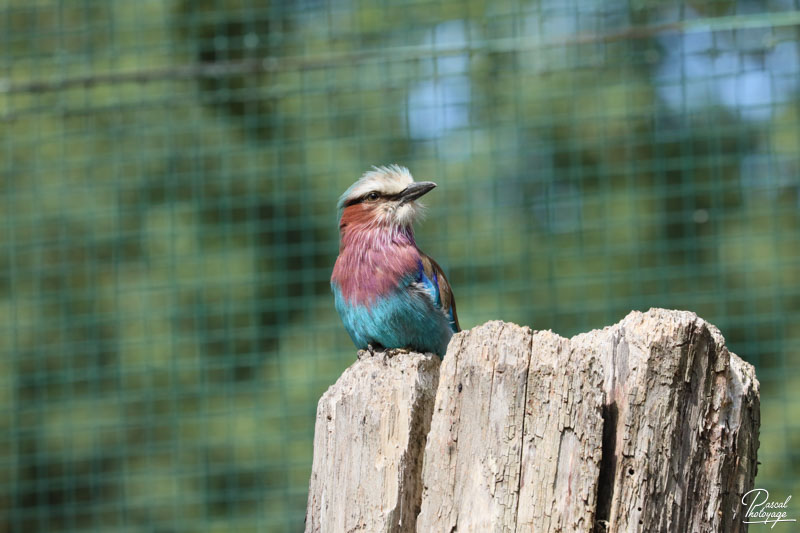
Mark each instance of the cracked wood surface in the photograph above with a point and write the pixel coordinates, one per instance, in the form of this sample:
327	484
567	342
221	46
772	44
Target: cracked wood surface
685	424
516	435
647	425
368	442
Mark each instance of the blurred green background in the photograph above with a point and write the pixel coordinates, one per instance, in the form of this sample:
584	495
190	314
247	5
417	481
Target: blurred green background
168	178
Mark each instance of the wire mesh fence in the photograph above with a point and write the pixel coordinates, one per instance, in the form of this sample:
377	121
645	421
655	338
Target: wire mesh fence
168	179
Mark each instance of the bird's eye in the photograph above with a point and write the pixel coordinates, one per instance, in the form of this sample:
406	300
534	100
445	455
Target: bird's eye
373	196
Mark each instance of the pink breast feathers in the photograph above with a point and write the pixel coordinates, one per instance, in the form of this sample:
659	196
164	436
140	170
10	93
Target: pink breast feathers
373	259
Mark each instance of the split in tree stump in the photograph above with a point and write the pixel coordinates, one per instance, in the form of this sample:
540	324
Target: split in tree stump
647	425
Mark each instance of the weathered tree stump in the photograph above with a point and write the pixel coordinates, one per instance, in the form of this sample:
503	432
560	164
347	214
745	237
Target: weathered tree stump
647	425
516	436
368	443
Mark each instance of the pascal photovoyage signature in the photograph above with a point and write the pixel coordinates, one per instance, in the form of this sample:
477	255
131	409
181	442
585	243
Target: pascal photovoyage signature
759	509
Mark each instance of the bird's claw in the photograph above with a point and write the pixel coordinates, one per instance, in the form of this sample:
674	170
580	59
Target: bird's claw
397	351
368	352
382	352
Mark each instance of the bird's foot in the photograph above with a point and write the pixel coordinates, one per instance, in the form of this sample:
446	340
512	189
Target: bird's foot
369	352
380	351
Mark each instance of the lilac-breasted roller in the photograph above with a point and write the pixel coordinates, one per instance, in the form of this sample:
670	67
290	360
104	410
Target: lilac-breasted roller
388	293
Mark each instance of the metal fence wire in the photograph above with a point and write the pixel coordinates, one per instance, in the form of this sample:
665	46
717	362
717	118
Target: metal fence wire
168	178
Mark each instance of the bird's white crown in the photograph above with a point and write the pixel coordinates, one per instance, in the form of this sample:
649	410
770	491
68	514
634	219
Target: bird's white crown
385	180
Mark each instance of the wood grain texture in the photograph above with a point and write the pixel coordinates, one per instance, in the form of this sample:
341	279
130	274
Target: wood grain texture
516	435
647	425
369	438
684	420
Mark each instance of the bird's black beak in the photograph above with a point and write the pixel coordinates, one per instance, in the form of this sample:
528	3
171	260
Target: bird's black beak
415	190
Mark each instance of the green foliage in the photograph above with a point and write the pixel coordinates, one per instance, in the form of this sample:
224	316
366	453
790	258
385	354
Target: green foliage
168	179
